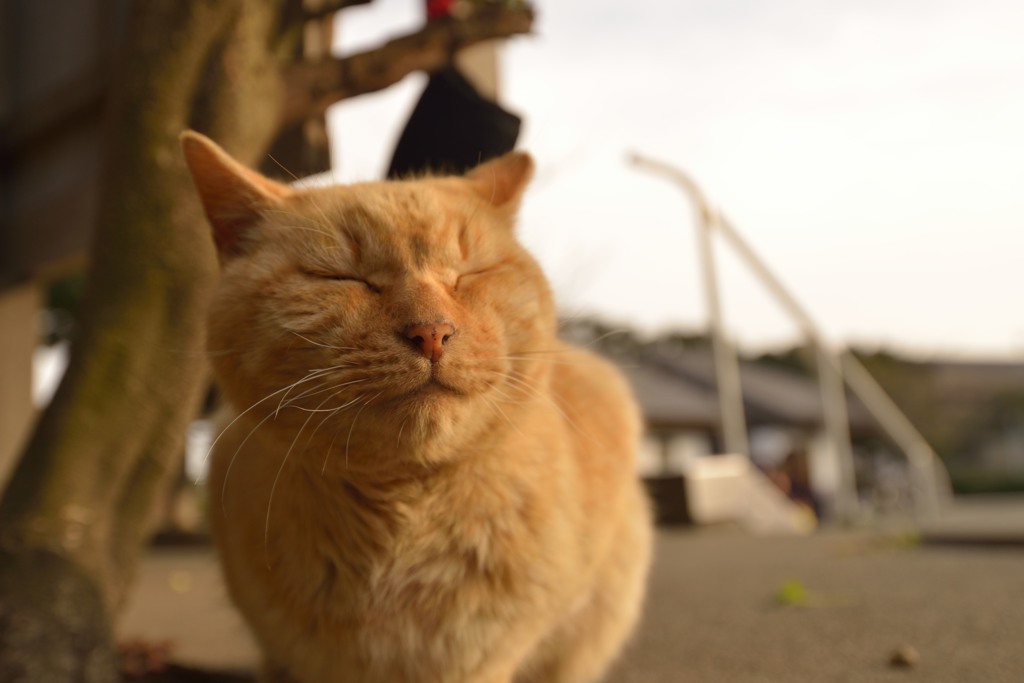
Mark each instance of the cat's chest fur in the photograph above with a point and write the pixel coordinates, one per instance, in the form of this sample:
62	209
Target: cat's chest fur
407	571
363	552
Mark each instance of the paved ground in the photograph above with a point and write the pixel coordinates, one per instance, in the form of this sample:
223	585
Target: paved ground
725	606
715	615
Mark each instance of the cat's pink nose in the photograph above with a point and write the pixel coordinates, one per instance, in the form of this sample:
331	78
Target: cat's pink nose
430	338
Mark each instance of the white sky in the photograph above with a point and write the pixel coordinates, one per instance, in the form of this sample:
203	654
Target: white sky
872	152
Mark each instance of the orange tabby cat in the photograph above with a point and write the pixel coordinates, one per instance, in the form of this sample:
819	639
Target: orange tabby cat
417	481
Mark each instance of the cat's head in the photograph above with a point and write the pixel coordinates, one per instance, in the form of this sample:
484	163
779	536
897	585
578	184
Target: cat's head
393	317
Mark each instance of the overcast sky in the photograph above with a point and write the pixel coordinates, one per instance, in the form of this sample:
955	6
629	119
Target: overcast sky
872	152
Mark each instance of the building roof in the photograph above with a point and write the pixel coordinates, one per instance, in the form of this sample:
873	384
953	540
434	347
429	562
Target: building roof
665	400
676	386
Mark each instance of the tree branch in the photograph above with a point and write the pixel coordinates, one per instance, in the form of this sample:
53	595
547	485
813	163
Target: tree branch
295	16
314	86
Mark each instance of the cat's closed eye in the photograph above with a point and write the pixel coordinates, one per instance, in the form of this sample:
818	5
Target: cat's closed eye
340	277
473	274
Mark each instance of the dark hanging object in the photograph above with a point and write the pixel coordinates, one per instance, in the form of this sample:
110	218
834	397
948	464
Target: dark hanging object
452	129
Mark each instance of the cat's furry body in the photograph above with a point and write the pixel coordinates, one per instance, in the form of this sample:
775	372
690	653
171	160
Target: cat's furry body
392	506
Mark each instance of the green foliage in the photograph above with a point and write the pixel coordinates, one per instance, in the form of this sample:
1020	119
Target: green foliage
987	482
792	593
687	339
797	359
1001	415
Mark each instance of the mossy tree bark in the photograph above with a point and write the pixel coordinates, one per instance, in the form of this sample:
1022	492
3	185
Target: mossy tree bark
79	505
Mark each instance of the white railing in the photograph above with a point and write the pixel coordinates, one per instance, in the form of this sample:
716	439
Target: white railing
837	368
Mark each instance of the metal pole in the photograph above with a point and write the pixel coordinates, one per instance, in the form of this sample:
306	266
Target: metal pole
837	427
830	372
932	486
727	373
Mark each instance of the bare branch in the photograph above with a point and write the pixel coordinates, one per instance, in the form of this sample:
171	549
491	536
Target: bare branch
314	86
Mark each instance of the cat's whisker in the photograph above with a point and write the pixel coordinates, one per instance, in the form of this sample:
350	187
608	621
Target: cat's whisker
324	419
327	224
469	221
523	385
330	447
524	390
317	230
243	413
596	340
328	227
283	167
280	211
325	346
273	488
340	409
309	195
318	388
318	409
401	428
231	464
530	352
552	361
337	433
313	374
348	440
494	405
331	412
507	397
277	476
322	229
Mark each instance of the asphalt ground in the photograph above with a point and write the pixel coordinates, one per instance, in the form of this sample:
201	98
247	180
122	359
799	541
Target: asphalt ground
830	607
726	606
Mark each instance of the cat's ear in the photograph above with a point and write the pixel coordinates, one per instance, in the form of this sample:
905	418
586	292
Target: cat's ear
501	181
233	196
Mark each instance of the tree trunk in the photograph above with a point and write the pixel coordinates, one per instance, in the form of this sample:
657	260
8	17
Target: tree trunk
80	502
52	621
